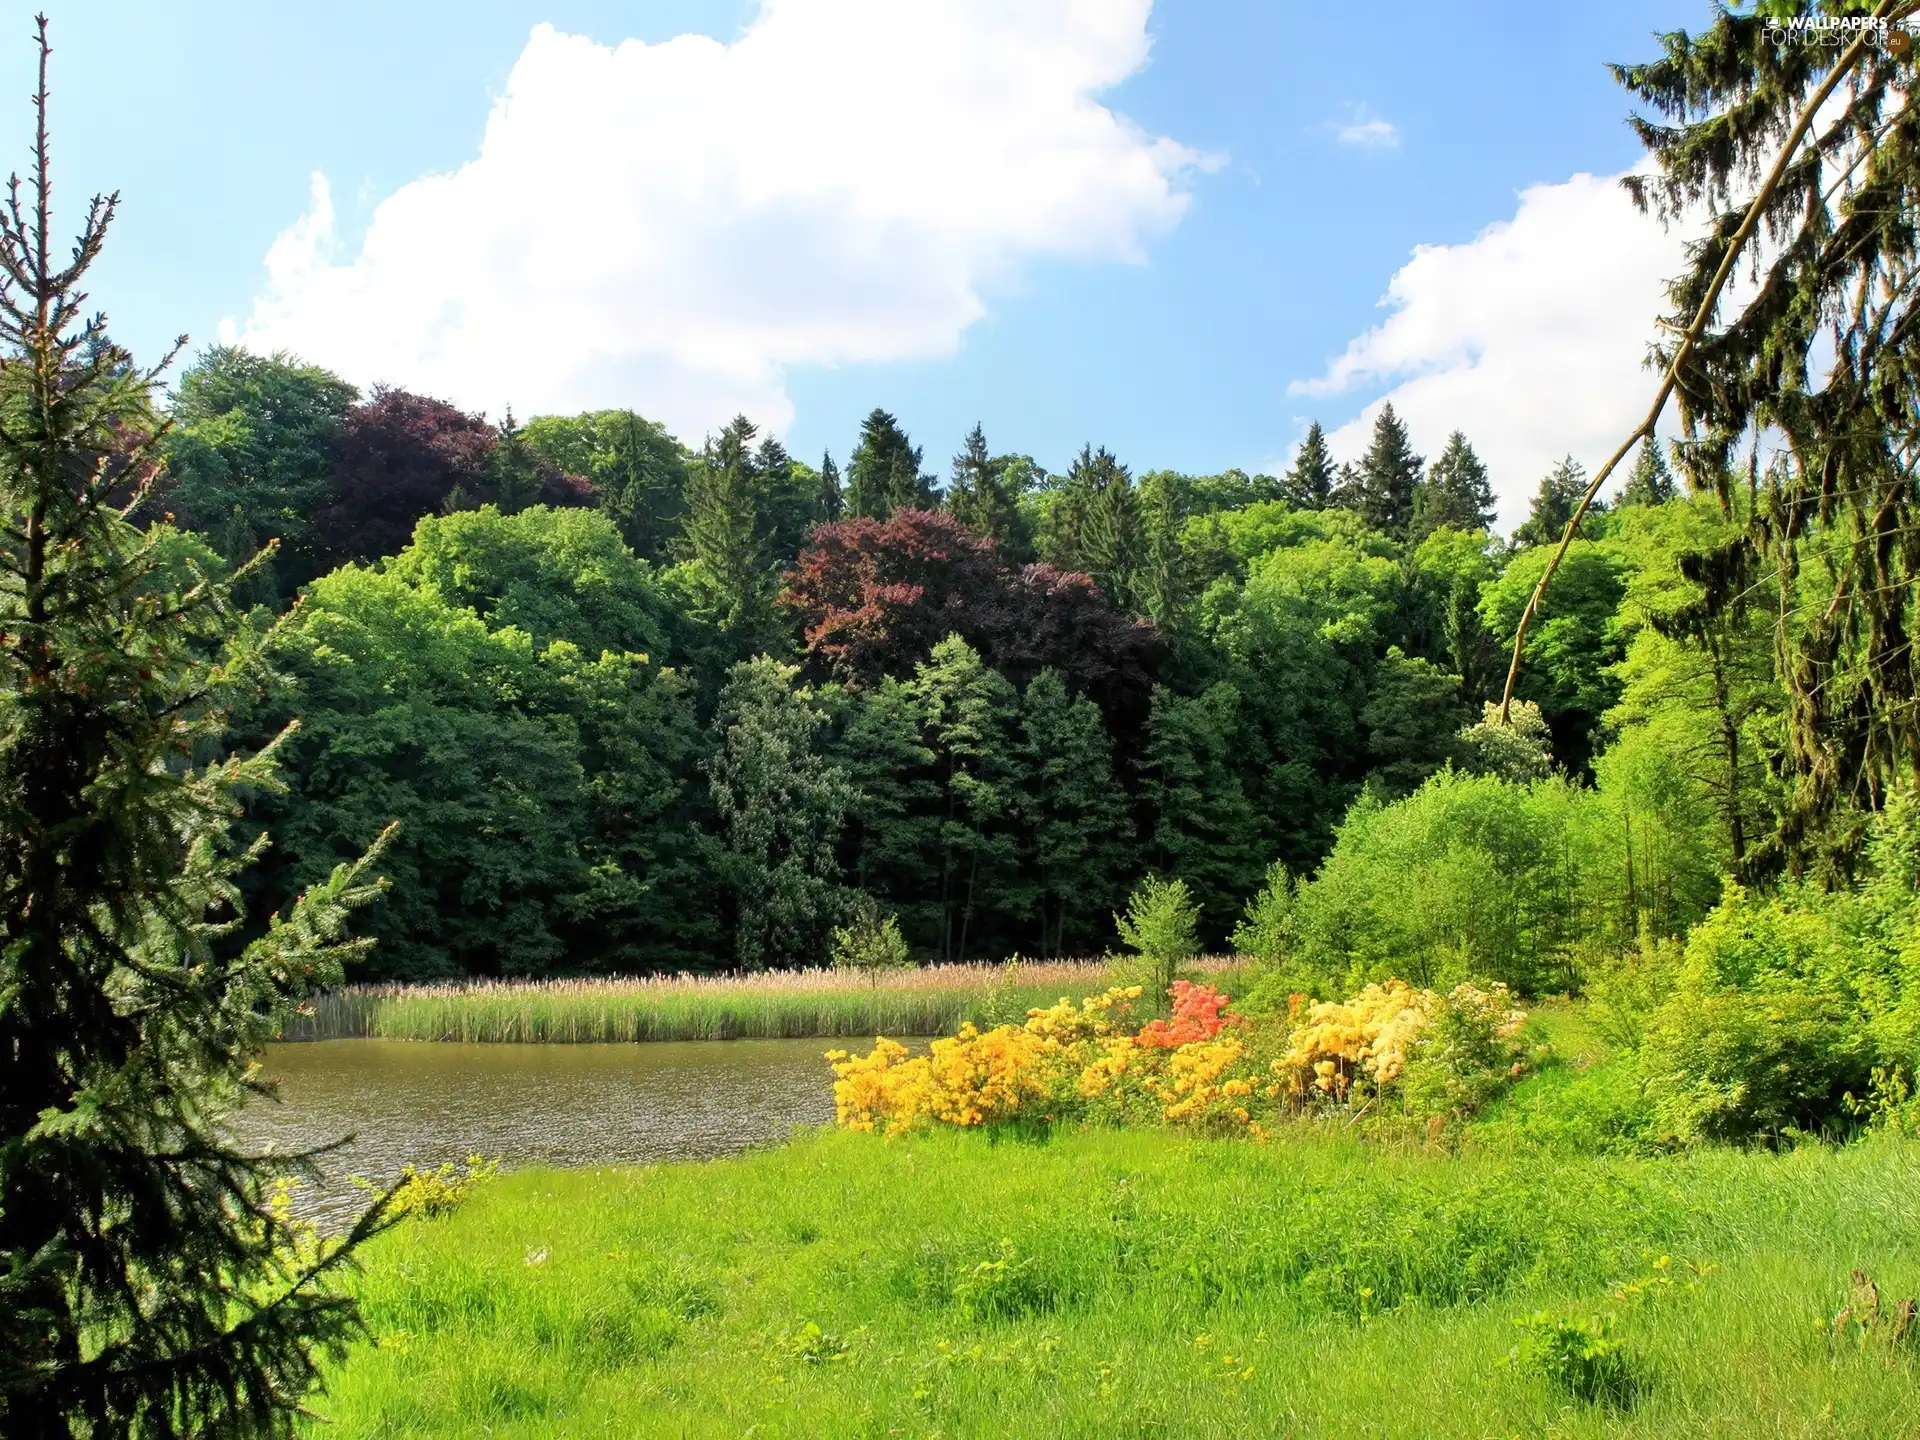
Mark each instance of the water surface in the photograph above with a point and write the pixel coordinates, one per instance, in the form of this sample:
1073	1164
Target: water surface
413	1102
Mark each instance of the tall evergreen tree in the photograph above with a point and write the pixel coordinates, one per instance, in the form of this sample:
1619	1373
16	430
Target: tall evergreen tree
1651	482
884	474
1389	476
147	1285
1456	494
833	499
725	534
1349	489
979	495
1074	815
1164	575
1553	505
781	805
966	711
1202	827
1308	483
1096	524
893	830
789	501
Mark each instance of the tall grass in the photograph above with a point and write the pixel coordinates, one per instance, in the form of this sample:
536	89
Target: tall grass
1138	1283
771	1004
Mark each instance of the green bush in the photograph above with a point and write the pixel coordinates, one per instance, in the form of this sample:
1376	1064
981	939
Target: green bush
1162	927
1736	1065
1580	1357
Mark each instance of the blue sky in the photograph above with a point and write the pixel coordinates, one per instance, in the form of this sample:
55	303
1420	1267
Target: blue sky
1181	318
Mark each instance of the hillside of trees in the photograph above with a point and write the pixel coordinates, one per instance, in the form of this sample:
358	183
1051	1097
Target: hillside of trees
638	706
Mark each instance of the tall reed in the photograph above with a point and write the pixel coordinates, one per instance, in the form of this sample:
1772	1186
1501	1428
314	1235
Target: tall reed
769	1004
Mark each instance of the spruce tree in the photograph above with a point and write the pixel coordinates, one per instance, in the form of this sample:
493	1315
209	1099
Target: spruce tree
781	807
1096	524
1308	483
1553	505
1651	482
1163	579
148	1285
1074	815
726	534
967	711
979	495
1456	494
884	474
1349	491
1389	476
833	500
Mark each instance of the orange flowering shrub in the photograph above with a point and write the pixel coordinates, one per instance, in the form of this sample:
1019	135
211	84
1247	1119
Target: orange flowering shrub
1199	1014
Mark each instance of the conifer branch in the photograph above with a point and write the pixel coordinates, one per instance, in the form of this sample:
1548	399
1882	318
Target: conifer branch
1709	302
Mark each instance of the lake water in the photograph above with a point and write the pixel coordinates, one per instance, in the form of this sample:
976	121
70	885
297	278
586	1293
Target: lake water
412	1102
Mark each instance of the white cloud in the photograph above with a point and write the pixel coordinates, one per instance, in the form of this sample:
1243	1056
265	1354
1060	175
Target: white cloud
1366	131
1531	337
673	226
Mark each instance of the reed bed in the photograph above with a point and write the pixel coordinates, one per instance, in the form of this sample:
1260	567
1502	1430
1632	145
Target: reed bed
768	1004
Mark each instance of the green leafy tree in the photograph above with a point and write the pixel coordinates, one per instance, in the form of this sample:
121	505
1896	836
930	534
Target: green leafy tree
1412	717
1456	494
638	471
250	458
1573	644
1073	813
1162	928
1265	931
966	714
870	944
781	805
147	1285
1389	477
883	474
1308	483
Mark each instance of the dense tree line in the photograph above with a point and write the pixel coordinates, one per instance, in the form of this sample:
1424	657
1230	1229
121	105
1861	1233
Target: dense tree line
638	705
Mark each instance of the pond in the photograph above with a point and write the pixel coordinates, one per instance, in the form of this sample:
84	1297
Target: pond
414	1102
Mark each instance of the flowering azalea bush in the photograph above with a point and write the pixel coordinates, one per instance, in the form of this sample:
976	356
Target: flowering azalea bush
1204	1068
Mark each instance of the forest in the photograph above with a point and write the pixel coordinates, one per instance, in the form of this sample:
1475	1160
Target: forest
602	679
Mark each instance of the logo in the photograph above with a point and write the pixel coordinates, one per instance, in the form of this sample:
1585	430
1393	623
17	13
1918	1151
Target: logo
1837	31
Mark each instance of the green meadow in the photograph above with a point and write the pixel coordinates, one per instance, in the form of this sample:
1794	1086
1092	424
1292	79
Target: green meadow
1110	1283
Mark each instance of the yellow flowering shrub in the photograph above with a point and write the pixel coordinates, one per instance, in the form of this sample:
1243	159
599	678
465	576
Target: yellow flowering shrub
978	1077
1206	1070
1366	1037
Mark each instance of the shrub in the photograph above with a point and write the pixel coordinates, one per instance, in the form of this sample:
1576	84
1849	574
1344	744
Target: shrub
1734	1065
870	945
1466	1053
1580	1357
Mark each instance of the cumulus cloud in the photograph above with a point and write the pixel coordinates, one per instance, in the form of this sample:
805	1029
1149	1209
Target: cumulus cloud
674	226
1365	130
1531	337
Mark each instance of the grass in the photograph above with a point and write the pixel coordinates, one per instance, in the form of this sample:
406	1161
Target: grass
1139	1283
772	1004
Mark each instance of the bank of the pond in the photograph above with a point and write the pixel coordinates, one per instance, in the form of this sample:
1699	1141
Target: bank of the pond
1138	1283
776	1004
